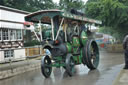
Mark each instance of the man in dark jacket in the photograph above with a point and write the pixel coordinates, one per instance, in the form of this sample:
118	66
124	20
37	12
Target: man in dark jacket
125	46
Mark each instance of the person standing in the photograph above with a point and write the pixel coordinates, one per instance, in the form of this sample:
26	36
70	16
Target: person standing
125	46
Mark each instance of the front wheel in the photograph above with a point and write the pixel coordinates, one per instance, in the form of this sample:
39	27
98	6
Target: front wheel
46	69
70	64
90	54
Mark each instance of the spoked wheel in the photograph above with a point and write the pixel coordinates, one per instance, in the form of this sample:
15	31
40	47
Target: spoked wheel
70	65
45	66
91	54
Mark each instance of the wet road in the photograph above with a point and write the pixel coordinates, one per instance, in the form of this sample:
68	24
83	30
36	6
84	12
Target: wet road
110	65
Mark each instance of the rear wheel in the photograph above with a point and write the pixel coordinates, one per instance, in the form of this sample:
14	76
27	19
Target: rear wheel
70	65
46	69
91	54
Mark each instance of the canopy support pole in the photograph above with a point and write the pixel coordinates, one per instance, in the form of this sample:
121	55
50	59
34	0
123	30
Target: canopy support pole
52	29
59	28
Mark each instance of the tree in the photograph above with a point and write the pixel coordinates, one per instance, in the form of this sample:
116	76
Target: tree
113	14
69	4
29	5
1	2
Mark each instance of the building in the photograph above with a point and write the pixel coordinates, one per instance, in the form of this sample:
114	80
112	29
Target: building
11	33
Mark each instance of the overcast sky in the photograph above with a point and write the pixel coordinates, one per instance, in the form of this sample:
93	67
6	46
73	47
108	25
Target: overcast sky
57	1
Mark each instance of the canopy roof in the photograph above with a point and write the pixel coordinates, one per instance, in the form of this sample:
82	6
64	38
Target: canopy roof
45	16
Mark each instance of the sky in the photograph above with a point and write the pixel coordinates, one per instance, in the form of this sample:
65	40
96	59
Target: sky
57	1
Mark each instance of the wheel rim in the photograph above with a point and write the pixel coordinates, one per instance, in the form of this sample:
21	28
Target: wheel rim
94	54
90	54
72	65
45	66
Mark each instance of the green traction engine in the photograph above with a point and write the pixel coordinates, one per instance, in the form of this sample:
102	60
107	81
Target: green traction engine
67	38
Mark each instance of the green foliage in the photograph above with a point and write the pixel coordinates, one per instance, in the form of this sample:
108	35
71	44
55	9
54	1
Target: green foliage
29	5
34	5
93	9
69	4
113	14
31	43
112	32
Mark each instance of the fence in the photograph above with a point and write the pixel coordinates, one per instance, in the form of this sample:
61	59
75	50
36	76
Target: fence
114	48
34	51
15	54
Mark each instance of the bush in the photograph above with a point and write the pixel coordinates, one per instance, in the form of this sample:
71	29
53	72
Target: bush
31	43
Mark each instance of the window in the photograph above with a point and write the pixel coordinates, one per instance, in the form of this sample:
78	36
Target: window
12	34
19	34
5	34
8	53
